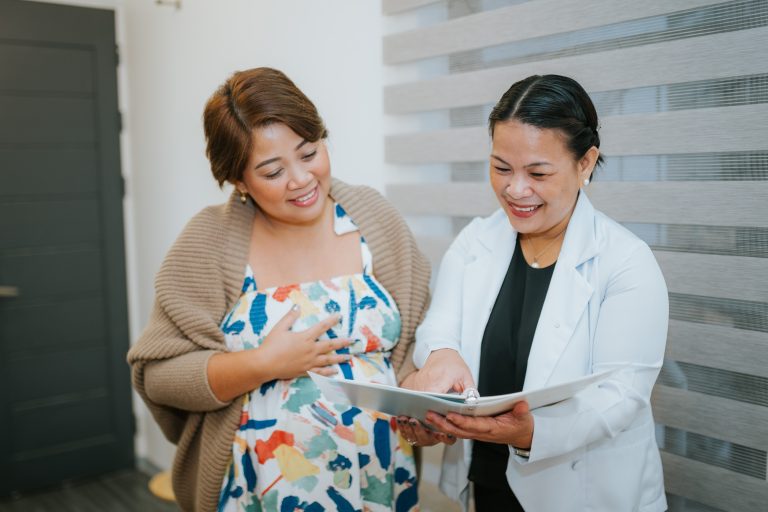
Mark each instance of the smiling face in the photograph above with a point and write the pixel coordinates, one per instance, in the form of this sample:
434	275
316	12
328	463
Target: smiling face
535	177
287	176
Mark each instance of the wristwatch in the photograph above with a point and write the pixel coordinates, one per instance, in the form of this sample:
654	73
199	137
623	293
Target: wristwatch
521	453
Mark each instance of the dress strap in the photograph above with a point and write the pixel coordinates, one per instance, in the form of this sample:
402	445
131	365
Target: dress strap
367	256
249	283
343	224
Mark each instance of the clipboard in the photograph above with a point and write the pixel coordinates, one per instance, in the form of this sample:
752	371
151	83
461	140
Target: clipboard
415	404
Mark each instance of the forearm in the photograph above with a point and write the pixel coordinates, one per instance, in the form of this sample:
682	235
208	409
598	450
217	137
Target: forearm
233	374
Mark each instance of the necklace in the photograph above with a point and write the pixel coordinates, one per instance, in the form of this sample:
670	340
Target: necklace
535	262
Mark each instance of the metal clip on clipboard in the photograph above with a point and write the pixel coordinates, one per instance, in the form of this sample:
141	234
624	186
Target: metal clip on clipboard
470	399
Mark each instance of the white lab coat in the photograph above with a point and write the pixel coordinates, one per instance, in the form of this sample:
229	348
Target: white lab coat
606	307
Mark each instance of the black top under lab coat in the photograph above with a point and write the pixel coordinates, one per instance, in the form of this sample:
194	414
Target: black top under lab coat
504	358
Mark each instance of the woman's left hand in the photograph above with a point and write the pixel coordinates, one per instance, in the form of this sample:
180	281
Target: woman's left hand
416	434
514	428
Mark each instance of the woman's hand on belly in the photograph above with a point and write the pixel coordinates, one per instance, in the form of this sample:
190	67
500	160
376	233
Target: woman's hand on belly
283	354
289	354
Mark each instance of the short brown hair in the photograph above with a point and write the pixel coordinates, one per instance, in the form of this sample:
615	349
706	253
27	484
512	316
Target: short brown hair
248	100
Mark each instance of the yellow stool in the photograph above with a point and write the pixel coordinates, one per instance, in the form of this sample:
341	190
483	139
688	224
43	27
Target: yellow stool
160	486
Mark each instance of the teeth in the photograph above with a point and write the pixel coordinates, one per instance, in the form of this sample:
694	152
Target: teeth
528	209
306	197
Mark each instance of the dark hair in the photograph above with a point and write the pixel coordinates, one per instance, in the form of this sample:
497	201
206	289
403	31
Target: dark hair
253	99
552	101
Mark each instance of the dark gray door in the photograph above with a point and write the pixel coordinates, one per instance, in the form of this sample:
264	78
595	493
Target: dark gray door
65	400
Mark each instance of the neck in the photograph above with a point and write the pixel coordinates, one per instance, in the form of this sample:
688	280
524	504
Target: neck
542	249
301	233
551	233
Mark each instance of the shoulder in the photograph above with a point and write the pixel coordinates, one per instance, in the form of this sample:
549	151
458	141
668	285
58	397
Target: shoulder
388	235
357	195
198	242
203	228
208	219
616	241
623	256
366	206
497	220
489	227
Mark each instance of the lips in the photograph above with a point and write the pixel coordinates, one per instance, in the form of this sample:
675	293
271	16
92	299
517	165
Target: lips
307	199
523	211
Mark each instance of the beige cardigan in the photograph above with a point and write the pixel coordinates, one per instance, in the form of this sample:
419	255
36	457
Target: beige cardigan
198	283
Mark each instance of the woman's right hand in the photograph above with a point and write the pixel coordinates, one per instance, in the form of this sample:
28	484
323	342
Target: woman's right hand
290	354
444	371
283	354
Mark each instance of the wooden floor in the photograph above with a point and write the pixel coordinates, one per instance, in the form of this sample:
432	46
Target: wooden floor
125	491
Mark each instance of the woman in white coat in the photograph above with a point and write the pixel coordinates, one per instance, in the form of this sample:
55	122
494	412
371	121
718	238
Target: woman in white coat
546	290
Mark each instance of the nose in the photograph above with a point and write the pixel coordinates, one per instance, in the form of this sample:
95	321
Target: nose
518	187
300	177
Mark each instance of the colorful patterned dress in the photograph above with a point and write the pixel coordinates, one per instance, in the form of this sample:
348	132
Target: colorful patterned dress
296	451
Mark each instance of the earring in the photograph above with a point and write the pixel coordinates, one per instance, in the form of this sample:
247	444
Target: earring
243	197
586	181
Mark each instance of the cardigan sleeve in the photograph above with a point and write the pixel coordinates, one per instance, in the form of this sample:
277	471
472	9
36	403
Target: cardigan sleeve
181	381
169	361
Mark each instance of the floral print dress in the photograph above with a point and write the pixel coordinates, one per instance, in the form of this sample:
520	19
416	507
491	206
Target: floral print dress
296	451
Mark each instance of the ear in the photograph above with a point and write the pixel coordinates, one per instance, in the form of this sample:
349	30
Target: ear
239	186
587	163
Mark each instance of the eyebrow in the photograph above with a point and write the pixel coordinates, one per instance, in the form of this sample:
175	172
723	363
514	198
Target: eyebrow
500	159
532	164
270	160
267	162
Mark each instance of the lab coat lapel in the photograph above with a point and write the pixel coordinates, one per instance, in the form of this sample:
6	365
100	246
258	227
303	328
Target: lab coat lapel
482	281
567	298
